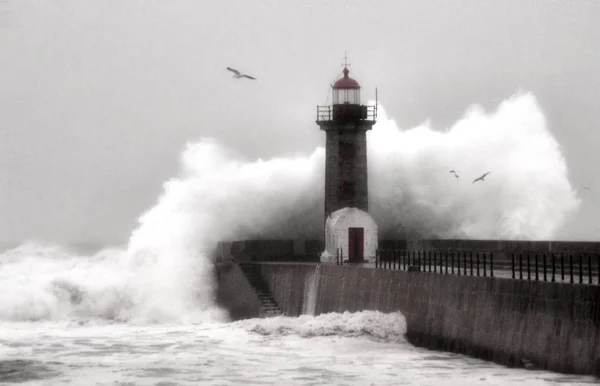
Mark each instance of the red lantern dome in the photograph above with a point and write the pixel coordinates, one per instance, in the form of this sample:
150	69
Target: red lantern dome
346	90
346	81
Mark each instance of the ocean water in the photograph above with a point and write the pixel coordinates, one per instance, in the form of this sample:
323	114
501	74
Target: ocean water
365	348
145	313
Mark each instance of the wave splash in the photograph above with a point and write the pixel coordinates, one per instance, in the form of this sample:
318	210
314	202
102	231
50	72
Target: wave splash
526	196
374	325
165	274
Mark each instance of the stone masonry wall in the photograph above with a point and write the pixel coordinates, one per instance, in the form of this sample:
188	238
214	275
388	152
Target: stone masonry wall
553	325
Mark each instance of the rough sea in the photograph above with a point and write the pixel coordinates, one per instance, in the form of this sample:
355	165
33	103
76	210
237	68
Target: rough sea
366	348
145	313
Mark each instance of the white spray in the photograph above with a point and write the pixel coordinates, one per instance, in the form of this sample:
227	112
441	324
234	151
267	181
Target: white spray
166	272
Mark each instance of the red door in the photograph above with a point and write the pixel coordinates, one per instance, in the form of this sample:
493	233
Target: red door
356	240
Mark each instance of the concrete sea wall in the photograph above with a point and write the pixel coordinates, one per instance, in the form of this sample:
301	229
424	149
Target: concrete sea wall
270	250
234	293
554	326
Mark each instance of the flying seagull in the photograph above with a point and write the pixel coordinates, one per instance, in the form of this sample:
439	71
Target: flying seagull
480	178
455	175
237	74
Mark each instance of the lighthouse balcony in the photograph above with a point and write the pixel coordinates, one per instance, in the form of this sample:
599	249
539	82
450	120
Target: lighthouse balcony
346	113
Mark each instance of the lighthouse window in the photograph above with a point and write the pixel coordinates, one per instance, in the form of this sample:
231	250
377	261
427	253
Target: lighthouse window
347	151
348	190
345	95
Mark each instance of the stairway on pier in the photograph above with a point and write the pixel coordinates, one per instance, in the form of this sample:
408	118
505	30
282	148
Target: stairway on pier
268	305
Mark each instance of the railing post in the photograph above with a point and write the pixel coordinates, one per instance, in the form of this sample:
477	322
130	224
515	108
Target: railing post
452	261
465	262
598	271
400	259
520	265
458	255
484	265
562	266
544	262
571	266
512	264
528	267
537	276
553	267
590	268
580	268
376	258
388	263
477	263
446	258
491	264
429	258
471	261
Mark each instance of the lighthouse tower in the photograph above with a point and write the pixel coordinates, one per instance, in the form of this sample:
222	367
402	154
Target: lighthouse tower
348	226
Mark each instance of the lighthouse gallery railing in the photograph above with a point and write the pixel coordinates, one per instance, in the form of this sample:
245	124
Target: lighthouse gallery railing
326	113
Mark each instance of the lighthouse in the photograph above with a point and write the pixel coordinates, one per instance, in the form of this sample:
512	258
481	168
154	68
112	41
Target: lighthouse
348	226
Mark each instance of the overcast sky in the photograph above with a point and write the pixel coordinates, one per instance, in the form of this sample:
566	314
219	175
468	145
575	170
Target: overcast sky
98	98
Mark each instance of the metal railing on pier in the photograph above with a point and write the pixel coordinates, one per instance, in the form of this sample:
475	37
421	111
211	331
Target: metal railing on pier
581	268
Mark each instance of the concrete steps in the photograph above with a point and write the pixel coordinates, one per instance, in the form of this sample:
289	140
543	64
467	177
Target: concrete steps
268	305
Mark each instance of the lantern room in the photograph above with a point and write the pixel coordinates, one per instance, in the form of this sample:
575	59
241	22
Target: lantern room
346	107
346	90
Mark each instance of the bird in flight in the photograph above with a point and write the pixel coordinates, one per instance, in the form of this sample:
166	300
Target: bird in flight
480	178
237	74
455	175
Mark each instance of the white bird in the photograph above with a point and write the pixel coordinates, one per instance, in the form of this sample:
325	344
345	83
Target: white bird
480	178
237	74
455	175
